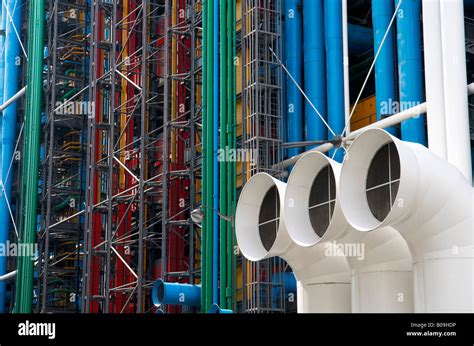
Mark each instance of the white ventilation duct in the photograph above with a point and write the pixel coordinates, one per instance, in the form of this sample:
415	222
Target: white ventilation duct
387	182
380	262
323	281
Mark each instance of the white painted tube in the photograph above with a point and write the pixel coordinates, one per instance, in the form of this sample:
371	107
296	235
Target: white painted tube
8	276
323	281
381	264
13	99
430	205
434	80
345	51
455	80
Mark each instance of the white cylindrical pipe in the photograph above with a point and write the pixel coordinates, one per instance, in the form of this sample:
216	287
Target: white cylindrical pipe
387	182
455	80
345	52
434	80
324	280
381	265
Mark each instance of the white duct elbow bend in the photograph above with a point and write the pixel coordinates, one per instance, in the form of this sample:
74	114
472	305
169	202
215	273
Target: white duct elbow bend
323	282
388	182
380	263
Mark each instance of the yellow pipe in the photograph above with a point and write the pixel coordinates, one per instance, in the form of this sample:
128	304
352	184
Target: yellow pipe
123	96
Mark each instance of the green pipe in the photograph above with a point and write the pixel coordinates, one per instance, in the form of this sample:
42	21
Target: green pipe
64	204
208	201
210	154
223	164
209	165
228	133
69	93
231	271
204	158
231	165
29	188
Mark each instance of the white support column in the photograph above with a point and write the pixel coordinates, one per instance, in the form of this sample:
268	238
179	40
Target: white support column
455	80
434	80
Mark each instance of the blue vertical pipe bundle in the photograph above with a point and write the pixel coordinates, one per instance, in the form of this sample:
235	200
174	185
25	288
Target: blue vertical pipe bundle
382	13
3	231
8	124
314	69
410	65
294	64
334	69
215	144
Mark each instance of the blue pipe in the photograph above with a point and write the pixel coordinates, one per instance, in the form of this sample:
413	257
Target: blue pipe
314	69
334	70
3	232
360	38
175	294
382	13
215	309
2	49
410	73
294	64
215	231
8	125
289	283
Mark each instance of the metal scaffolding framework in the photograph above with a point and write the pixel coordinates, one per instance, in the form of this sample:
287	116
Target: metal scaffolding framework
63	157
182	133
124	178
262	135
121	168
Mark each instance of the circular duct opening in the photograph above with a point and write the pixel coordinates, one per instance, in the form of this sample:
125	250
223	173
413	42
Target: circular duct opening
322	200
383	179
370	178
310	198
161	292
257	217
269	218
158	292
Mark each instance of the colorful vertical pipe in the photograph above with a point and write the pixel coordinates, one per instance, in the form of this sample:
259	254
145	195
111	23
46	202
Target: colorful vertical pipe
227	166
205	36
29	189
334	70
231	143
314	69
215	147
3	230
294	63
410	73
223	144
208	169
8	125
382	13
